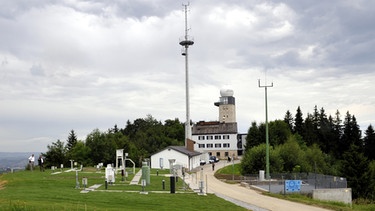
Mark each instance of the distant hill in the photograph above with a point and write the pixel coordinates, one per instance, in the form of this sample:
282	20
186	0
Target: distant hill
15	159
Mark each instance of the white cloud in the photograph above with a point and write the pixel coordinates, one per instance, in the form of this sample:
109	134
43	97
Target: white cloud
91	64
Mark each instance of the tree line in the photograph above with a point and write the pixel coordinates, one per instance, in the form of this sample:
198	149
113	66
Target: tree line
140	139
316	143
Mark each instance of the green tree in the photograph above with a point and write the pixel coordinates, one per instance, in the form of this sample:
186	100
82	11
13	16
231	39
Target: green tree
315	118
253	137
298	122
115	129
279	132
370	178
99	151
292	155
72	140
149	135
81	154
255	159
351	135
325	129
369	143
309	135
315	160
337	134
175	130
288	119
56	154
353	166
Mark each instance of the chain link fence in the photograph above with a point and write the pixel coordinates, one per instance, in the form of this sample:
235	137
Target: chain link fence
276	184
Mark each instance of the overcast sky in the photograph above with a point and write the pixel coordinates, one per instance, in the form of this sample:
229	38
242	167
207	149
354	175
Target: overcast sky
82	65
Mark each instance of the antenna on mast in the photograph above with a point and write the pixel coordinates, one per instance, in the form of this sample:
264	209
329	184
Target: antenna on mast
185	42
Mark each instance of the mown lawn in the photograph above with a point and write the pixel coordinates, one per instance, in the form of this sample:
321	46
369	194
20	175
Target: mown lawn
37	190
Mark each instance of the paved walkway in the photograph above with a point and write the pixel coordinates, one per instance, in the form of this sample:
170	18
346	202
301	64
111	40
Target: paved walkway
242	196
136	178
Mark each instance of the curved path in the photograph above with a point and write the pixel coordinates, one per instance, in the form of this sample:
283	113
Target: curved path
246	196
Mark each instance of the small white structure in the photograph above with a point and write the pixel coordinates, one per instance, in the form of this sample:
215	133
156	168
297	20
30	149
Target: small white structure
261	175
120	156
110	174
184	157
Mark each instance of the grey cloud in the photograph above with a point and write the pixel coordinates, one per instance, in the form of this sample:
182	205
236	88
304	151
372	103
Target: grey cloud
37	70
4	61
104	62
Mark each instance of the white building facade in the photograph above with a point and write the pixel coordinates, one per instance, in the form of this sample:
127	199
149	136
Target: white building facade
181	156
220	138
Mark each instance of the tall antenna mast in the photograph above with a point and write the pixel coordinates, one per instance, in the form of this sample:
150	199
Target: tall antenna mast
186	41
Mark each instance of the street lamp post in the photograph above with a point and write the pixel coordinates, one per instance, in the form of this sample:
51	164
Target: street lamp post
267	138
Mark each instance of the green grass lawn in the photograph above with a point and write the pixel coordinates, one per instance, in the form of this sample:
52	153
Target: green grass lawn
26	190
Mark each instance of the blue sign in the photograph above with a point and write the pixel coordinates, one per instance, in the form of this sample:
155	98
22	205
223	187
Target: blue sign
293	185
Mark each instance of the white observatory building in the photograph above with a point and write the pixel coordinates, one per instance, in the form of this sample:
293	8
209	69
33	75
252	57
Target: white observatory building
220	138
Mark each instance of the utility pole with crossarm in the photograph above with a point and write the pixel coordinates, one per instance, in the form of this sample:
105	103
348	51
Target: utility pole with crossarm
267	141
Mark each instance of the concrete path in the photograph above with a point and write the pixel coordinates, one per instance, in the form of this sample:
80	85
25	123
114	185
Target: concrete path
91	188
136	178
242	196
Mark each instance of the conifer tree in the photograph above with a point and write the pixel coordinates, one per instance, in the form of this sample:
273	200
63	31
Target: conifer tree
337	134
298	122
289	120
353	166
72	140
324	131
309	135
351	135
369	143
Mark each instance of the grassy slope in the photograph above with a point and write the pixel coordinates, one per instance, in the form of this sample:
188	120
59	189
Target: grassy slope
36	190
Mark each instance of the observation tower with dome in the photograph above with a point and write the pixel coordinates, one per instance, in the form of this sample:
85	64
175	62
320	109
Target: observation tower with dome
227	106
220	138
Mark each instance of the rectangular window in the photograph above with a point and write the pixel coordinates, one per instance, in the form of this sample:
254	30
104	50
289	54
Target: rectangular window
217	137
201	145
217	145
218	154
224	100
226	154
209	137
226	145
210	145
225	136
